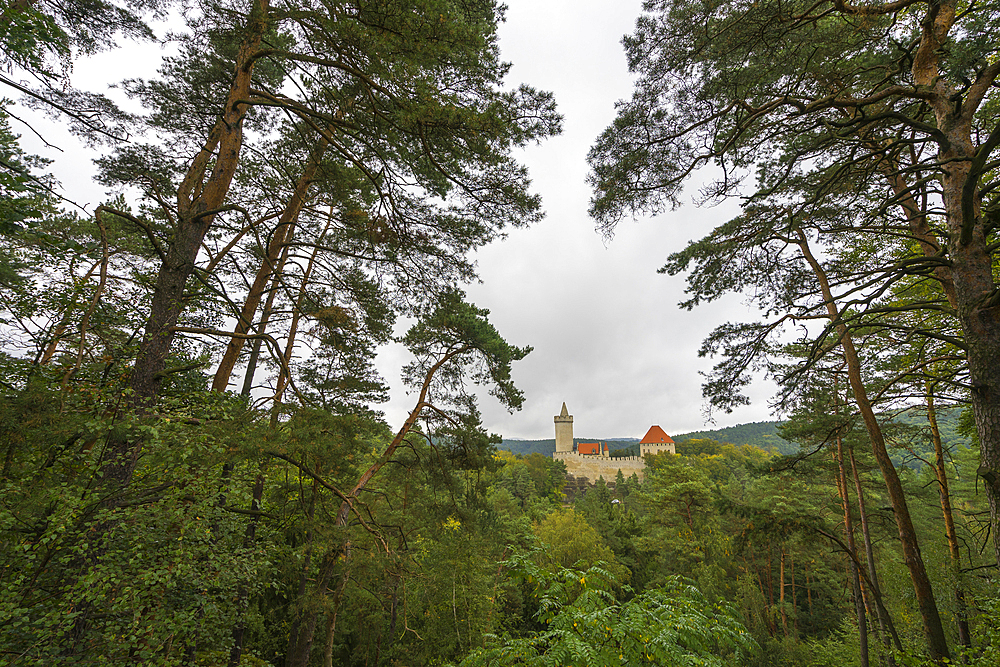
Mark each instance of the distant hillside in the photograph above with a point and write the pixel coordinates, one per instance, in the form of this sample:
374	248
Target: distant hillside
948	419
910	439
763	435
524	447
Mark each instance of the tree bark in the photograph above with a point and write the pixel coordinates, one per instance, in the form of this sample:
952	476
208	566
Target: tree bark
265	319
298	656
795	600
331	627
979	315
859	603
781	592
300	302
809	597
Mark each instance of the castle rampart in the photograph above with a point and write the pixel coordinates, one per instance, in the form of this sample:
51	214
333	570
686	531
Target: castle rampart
594	467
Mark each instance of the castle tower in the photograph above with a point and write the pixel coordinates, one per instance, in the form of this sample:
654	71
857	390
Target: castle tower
564	431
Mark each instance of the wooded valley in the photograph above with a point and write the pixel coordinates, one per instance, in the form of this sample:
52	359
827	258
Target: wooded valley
195	468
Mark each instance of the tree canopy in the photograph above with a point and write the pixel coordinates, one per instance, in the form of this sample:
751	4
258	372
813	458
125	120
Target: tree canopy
863	139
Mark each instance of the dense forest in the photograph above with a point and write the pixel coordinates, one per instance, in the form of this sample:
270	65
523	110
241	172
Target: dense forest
195	468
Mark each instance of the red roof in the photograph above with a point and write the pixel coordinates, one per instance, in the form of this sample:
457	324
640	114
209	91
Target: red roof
656	436
589	448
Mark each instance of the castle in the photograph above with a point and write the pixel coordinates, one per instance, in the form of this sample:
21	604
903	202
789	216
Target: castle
591	460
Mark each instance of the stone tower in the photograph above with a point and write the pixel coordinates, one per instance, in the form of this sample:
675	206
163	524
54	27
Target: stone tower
564	431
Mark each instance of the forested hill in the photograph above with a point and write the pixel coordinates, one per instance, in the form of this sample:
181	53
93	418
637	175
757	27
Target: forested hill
909	432
763	435
524	447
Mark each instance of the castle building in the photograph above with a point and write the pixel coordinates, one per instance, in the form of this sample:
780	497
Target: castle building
591	460
592	449
655	442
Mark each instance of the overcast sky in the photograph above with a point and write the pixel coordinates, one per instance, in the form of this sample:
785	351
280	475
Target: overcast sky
608	337
607	334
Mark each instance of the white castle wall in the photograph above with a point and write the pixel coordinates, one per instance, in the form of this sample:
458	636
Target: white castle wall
658	449
595	466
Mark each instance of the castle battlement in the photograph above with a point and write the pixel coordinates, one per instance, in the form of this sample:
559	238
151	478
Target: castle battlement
596	457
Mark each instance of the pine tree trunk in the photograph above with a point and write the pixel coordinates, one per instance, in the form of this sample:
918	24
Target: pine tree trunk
961	612
795	600
265	320
198	200
331	627
781	594
303	639
937	643
979	313
770	576
859	603
809	596
884	619
968	246
300	302
268	267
